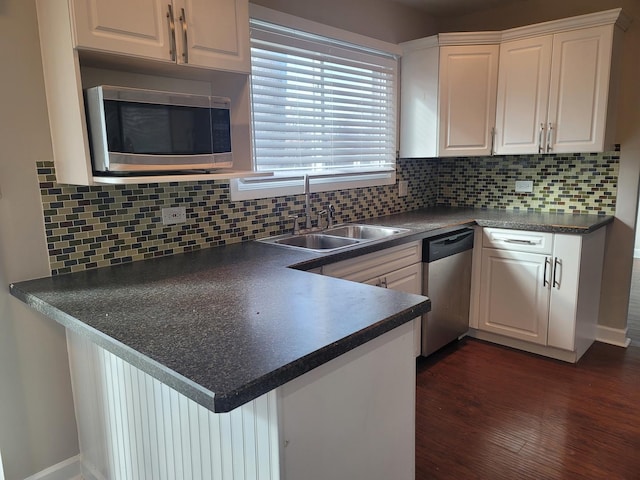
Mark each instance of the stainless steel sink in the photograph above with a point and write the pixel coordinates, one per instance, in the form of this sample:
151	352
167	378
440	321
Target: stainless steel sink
315	241
340	236
364	232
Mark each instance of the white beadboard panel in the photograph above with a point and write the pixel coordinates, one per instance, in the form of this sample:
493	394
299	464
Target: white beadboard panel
132	426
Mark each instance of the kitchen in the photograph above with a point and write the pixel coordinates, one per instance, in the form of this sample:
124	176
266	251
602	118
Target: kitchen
40	428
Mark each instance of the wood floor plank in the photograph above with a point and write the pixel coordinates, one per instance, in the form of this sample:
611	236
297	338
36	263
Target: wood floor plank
488	412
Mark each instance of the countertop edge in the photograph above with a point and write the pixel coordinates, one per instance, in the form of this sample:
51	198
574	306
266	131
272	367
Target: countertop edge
166	375
221	403
277	378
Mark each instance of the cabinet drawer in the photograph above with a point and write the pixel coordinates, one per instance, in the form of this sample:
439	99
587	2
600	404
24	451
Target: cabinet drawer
366	267
517	240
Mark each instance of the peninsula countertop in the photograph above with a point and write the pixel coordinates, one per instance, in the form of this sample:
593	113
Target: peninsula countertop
228	324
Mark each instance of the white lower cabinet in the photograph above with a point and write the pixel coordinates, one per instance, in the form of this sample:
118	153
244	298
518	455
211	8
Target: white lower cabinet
514	298
539	289
398	268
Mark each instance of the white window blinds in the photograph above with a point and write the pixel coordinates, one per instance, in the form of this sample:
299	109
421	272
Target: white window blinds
320	106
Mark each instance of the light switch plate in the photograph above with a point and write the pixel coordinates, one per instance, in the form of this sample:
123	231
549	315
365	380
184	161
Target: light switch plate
524	186
403	188
173	215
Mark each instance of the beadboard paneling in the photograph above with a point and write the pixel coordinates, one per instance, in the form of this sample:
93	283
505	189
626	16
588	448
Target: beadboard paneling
131	426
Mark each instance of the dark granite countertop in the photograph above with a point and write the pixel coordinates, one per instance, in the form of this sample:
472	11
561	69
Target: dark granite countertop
228	324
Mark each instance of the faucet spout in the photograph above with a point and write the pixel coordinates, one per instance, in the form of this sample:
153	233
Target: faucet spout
307	200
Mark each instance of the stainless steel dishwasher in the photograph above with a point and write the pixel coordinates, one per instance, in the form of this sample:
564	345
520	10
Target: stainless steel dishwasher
446	281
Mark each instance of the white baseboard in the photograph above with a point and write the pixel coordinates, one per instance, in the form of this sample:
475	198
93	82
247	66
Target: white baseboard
68	469
636	253
613	336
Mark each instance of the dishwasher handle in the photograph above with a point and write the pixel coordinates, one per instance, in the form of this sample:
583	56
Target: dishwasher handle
442	247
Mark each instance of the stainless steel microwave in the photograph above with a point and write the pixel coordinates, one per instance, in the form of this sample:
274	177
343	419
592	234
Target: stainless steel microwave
134	131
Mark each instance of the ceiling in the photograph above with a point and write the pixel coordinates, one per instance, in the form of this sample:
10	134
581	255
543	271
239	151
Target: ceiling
446	8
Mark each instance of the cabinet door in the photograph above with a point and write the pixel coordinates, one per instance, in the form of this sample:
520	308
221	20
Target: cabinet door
514	296
408	280
139	28
564	291
523	95
375	265
213	34
579	90
468	83
419	101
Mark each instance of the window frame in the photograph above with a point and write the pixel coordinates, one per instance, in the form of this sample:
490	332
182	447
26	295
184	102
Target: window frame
268	186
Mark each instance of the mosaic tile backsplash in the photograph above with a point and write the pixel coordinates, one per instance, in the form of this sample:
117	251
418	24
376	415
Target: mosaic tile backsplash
577	183
97	226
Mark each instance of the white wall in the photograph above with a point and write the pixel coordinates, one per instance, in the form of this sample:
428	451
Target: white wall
37	423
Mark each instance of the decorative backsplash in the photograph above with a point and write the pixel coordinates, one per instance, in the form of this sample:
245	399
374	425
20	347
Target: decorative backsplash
97	226
562	183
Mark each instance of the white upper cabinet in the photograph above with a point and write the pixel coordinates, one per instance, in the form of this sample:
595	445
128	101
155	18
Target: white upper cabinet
556	85
209	34
544	88
448	95
468	82
580	75
138	28
214	34
523	95
138	43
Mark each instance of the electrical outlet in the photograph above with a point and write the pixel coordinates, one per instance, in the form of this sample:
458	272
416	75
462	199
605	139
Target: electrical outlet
524	186
173	215
403	188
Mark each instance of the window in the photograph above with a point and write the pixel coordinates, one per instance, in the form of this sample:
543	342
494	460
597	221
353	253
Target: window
320	106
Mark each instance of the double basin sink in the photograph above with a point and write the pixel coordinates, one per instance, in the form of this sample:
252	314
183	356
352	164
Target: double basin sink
340	236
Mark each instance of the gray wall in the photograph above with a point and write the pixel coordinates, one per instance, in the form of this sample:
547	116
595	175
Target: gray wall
381	19
37	424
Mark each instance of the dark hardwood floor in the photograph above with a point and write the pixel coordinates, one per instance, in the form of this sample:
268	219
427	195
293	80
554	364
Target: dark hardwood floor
489	412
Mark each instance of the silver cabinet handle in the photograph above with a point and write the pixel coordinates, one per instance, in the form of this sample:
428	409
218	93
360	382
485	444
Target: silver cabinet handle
493	141
519	241
547	262
172	33
557	272
540	147
185	46
549	133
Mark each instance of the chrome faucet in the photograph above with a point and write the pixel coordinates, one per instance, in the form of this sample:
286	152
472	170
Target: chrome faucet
307	200
331	217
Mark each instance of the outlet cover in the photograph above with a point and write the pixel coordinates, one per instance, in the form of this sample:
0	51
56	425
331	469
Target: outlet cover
403	188
524	186
174	215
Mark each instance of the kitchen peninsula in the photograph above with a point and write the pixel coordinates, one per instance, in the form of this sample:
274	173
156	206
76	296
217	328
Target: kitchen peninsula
223	363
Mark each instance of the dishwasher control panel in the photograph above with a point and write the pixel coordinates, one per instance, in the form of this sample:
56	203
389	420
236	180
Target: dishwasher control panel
440	247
